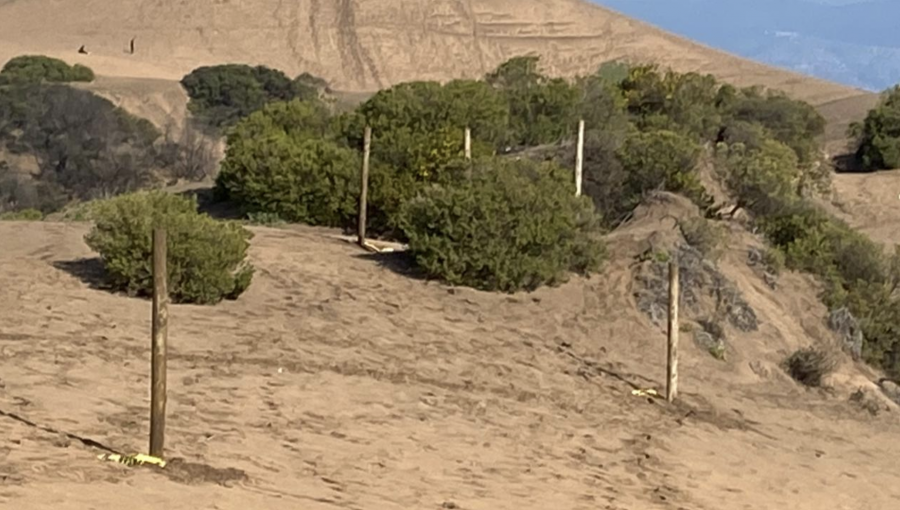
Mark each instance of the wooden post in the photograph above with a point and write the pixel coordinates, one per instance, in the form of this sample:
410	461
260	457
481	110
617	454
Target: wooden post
672	361
159	332
364	187
468	144
579	159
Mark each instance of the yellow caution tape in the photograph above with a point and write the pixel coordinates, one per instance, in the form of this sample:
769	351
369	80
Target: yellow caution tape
137	459
645	393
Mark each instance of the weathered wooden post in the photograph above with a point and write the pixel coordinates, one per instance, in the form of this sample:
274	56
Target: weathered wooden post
468	144
159	335
672	361
364	187
579	159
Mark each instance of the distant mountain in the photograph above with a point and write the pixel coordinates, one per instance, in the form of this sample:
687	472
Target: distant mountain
855	43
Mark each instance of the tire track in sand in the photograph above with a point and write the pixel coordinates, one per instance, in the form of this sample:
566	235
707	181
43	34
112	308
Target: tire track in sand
353	55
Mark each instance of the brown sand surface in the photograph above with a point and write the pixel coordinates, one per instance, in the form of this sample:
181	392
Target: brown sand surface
337	381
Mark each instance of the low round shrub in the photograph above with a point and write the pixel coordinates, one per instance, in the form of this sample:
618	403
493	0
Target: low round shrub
206	258
503	225
37	68
810	365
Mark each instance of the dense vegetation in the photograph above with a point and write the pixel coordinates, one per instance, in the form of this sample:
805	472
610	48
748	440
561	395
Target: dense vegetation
59	144
221	95
878	136
80	146
503	225
507	220
646	130
206	258
38	68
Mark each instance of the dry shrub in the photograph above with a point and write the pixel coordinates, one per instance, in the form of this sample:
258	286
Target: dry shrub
810	365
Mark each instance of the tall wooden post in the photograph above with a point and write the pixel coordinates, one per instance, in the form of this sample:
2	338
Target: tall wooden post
672	361
579	159
159	333
364	187
468	143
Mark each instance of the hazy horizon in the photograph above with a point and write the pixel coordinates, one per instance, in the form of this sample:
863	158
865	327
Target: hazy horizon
853	42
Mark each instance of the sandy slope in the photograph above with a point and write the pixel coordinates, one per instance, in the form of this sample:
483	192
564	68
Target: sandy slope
336	382
364	45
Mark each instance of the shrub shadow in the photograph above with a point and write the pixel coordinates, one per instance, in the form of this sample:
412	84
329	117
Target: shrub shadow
89	270
399	262
848	164
207	204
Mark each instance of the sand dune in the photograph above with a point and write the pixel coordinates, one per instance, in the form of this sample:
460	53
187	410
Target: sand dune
365	44
336	382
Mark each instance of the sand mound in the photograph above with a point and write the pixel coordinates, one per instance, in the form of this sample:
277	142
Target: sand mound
339	382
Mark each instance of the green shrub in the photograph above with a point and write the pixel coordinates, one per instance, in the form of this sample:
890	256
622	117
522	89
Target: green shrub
206	258
661	160
265	219
794	123
298	179
38	68
22	215
684	102
541	109
503	225
85	146
774	260
223	94
878	136
705	235
760	179
810	365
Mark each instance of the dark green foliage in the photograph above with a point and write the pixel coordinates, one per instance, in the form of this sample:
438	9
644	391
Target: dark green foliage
854	269
810	365
673	101
759	176
707	236
85	147
541	109
417	132
613	73
793	123
298	179
38	68
223	94
503	225
661	160
22	215
878	136
206	258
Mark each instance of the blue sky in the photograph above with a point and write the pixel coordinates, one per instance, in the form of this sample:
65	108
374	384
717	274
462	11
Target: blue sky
855	42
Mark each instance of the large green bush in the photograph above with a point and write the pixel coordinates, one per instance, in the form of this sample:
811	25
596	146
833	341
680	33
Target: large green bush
794	123
661	160
542	109
223	94
503	225
299	179
206	258
759	178
84	146
38	68
878	136
673	101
